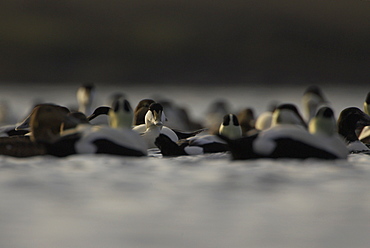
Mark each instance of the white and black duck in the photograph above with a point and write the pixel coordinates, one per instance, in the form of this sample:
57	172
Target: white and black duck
201	144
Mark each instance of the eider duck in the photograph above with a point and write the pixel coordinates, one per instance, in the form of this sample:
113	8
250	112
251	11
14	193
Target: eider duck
142	109
349	119
288	141
153	126
312	99
201	144
178	117
44	123
264	119
247	121
364	132
85	97
214	114
287	113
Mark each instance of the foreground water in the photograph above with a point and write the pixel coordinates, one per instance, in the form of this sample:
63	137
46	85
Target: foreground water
194	201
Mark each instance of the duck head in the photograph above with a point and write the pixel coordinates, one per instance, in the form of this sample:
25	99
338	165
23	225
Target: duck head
312	98
85	96
141	110
120	114
323	123
155	116
349	120
230	127
287	114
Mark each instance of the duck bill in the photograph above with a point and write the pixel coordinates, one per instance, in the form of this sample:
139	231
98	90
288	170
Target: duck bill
158	119
158	124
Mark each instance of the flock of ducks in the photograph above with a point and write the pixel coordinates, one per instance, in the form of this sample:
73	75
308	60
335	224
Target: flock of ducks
280	132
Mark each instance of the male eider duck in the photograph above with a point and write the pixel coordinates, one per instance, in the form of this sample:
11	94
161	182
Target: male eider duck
153	126
287	141
287	113
139	121
349	119
201	144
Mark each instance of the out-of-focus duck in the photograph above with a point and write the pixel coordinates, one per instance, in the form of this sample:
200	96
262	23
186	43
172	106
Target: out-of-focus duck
214	114
312	99
264	119
349	119
362	132
287	113
247	121
140	111
85	97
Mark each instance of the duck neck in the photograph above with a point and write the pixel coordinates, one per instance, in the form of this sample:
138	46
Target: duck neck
154	129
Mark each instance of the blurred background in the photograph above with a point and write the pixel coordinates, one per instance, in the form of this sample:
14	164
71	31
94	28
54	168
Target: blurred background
193	41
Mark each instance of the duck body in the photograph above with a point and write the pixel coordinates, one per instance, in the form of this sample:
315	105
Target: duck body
21	147
284	141
287	139
192	146
312	98
201	144
88	139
